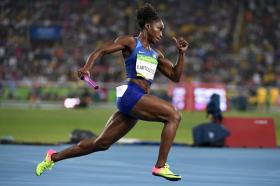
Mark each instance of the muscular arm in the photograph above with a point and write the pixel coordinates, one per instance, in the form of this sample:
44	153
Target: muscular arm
174	72
119	44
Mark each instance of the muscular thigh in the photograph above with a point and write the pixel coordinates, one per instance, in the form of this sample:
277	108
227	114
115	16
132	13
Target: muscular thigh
117	126
152	108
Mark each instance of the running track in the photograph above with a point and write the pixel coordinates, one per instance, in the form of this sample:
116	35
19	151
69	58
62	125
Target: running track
125	165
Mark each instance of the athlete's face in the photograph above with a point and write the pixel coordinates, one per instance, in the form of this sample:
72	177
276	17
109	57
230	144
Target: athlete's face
155	30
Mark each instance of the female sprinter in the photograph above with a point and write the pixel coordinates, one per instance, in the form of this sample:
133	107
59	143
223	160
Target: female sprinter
133	99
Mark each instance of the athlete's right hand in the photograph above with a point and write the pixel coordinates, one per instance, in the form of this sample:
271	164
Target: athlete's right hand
82	72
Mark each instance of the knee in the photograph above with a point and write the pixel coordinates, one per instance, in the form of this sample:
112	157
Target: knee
86	144
94	145
102	145
175	116
179	116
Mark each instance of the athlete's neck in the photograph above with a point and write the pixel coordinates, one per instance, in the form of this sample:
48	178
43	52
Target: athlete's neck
143	37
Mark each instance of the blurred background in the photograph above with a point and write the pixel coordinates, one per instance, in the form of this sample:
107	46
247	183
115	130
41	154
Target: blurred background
234	52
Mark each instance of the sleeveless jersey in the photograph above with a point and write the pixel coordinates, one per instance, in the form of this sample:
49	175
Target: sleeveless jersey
142	63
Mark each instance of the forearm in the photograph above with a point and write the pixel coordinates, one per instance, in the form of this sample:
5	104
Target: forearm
174	72
107	48
179	66
91	59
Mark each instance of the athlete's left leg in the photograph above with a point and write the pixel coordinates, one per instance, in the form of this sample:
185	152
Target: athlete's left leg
117	126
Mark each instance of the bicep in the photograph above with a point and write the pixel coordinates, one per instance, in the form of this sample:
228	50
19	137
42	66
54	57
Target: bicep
114	46
110	47
165	66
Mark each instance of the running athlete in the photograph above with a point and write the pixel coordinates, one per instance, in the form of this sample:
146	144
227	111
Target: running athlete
133	99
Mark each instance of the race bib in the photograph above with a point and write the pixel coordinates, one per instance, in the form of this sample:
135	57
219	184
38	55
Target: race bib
146	66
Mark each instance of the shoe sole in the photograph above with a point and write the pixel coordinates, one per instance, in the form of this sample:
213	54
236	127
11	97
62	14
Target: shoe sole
170	179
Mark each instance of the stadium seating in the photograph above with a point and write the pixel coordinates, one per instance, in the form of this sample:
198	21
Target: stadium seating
211	27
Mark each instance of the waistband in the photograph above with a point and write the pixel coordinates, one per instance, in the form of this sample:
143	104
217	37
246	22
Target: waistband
137	87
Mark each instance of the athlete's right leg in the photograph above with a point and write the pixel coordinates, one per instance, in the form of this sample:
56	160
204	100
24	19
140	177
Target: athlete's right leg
117	126
152	108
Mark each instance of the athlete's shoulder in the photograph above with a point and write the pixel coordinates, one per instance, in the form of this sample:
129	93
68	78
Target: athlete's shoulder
126	40
159	52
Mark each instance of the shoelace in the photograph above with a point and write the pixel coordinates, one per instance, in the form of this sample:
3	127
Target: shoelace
45	166
167	170
166	166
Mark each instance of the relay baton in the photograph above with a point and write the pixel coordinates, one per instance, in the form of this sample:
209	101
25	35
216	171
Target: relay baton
90	82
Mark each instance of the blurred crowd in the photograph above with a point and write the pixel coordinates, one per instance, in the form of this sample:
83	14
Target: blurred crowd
231	41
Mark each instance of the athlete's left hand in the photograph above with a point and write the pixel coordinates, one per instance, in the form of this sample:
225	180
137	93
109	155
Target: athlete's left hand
181	44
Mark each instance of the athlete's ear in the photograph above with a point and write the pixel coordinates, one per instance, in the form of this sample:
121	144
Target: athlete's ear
148	26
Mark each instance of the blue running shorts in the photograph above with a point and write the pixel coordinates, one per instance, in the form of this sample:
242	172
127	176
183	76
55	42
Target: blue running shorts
127	96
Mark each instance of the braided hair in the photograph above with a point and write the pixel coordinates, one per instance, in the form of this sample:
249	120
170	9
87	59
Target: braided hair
146	14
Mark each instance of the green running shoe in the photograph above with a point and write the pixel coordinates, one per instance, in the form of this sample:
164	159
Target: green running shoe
166	173
46	164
